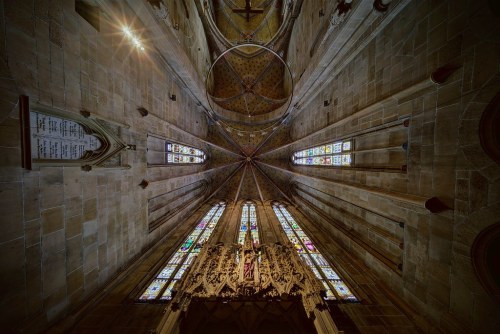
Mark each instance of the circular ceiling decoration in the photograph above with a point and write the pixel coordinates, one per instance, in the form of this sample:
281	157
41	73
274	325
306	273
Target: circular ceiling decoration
249	85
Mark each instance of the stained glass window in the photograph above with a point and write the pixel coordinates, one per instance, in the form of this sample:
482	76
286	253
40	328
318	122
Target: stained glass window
162	152
181	154
248	221
162	285
334	286
334	154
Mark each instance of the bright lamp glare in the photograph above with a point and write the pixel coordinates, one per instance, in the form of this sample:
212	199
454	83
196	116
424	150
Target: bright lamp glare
127	31
134	39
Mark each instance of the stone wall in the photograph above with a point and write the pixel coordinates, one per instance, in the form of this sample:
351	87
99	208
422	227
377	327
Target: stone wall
385	77
66	232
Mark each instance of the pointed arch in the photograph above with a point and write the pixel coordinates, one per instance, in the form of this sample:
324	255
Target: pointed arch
248	222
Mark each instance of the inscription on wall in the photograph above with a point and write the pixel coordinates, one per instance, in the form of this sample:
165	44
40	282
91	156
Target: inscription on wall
58	138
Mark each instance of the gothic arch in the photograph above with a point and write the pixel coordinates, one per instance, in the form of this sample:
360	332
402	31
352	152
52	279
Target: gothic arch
489	129
485	253
475	132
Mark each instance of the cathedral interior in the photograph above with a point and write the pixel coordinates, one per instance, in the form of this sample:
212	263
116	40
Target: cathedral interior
237	166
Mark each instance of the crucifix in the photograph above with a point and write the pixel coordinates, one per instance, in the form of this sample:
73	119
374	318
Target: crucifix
248	10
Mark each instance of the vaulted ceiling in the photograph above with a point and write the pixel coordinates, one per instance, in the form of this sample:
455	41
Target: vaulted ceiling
249	88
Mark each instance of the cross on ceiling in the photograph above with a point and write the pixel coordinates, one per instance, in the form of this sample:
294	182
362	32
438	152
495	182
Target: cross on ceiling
248	10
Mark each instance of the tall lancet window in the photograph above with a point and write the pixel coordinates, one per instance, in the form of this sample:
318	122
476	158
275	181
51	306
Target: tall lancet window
335	288
248	221
161	286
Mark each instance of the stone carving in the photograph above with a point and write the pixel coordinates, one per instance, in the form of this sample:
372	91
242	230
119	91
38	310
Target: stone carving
246	272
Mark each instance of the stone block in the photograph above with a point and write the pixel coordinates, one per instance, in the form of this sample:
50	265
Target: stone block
478	191
89	184
52	219
42	9
34	302
75	280
91	281
12	265
72	184
53	243
51	187
449	94
10	134
460	300
55	304
32	232
73	206
90	258
31	196
53	272
74	253
73	226
11	211
103	256
90	209
19	15
90	232
485	65
10	163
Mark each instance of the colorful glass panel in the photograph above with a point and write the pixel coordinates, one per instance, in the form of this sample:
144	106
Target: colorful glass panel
167	271
153	289
334	286
182	154
334	154
180	261
167	295
248	221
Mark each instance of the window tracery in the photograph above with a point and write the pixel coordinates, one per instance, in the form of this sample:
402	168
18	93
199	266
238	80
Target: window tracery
161	287
333	154
248	221
163	151
335	288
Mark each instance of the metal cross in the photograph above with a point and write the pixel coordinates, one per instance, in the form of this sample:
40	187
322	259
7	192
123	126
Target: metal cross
248	10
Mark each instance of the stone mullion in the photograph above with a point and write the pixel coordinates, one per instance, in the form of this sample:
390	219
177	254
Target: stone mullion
265	230
226	231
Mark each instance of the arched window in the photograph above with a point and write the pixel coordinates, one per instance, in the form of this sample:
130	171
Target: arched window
51	137
335	288
163	283
248	221
162	151
333	154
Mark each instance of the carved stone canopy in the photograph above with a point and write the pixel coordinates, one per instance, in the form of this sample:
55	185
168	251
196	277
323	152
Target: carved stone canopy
244	272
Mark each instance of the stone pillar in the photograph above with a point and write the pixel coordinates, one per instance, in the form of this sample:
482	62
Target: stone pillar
226	231
266	230
323	322
170	323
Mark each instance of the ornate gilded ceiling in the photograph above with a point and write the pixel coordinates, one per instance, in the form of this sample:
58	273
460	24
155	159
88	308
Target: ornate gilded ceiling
247	81
249	86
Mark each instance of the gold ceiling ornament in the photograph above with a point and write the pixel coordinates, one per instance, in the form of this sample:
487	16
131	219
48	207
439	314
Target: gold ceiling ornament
248	97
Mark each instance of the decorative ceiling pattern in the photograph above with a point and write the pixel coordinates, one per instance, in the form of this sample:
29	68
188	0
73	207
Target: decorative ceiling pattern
248	86
249	90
